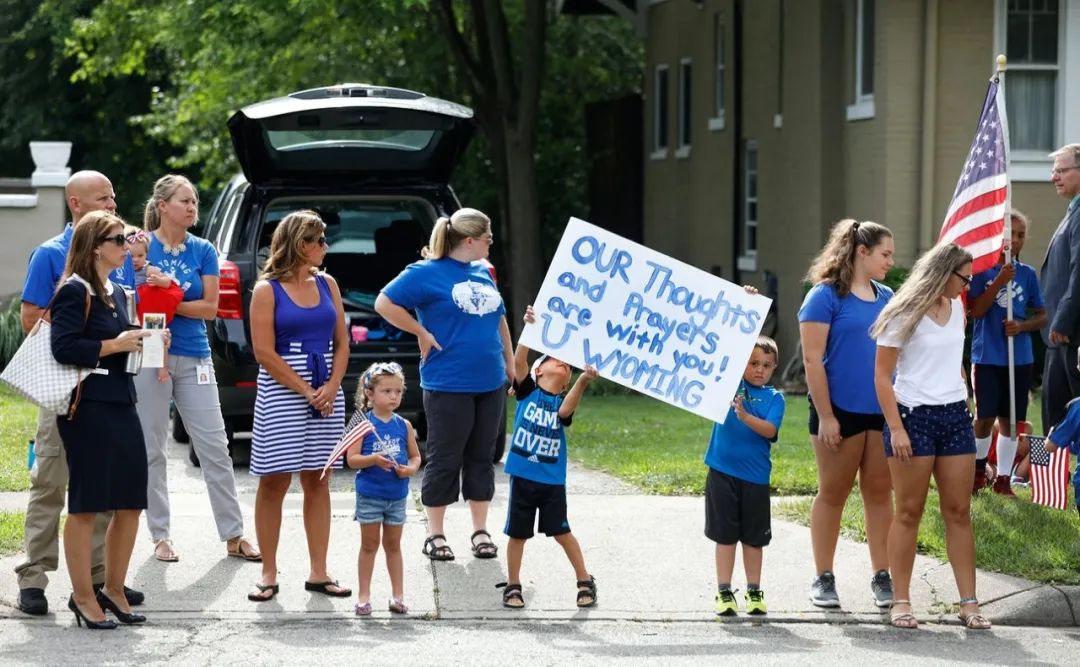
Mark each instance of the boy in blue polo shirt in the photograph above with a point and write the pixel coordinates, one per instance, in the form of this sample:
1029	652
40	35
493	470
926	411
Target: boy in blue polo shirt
536	464
987	299
737	506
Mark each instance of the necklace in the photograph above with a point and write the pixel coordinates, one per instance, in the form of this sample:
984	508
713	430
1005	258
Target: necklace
173	250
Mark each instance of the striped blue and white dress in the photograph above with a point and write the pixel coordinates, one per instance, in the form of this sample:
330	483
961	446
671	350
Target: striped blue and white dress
289	435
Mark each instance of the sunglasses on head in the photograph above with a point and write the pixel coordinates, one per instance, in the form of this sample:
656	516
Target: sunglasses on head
382	368
118	239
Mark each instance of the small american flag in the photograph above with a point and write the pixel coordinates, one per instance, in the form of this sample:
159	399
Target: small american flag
1049	474
355	430
976	215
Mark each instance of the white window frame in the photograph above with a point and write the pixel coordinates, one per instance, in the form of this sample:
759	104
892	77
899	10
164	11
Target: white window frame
747	260
660	105
863	106
1033	165
716	123
684	121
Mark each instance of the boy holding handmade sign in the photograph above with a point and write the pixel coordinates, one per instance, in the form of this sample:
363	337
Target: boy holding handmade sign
737	508
536	464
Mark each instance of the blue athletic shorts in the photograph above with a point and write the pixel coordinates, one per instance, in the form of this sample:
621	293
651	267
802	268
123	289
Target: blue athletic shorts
936	430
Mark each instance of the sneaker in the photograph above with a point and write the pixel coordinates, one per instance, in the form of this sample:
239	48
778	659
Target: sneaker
1002	487
726	604
881	587
755	602
823	591
981	481
1020	481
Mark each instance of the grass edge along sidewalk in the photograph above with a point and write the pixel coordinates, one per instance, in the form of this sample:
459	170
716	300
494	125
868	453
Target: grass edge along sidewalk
659	449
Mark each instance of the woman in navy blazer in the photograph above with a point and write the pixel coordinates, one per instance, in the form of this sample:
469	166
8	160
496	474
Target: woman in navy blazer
102	436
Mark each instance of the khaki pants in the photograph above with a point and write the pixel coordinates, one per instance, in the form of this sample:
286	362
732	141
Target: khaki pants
48	488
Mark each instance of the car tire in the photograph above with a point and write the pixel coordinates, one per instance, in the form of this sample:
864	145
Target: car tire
179	433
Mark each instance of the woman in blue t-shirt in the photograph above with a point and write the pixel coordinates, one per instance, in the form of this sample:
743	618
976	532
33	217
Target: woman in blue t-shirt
466	360
845	418
192	262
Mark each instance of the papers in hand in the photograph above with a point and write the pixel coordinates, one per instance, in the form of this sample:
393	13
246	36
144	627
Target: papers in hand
153	349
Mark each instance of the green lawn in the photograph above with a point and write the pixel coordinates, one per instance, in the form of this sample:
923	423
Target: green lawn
659	448
11	532
18	423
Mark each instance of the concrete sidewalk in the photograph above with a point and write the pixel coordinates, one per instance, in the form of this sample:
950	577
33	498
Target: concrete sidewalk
648	554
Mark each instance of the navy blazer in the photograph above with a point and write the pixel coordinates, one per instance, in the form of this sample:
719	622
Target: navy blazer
1060	279
77	342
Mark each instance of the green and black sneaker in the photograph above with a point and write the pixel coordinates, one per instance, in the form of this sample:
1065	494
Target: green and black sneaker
755	602
726	604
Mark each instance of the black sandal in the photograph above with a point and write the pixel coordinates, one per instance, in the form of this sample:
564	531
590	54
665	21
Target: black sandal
324	588
586	595
512	598
261	595
485	549
437	552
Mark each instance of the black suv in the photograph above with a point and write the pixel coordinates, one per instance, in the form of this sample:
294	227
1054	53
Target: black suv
374	163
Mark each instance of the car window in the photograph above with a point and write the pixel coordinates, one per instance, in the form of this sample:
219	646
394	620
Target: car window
229	218
369	239
401	140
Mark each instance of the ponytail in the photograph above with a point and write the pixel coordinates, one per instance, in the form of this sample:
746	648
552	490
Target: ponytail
439	244
450	232
151	220
835	264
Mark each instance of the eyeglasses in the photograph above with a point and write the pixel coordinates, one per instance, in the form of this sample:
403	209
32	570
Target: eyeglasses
1058	171
321	240
487	238
966	279
118	239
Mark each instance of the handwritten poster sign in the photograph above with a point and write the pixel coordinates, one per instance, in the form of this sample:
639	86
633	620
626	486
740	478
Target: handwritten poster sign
647	321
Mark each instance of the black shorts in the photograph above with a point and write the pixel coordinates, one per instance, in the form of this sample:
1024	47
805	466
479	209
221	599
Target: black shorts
991	384
851	423
526	497
461	445
737	511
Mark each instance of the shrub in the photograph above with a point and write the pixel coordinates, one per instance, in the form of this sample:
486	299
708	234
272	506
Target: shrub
11	333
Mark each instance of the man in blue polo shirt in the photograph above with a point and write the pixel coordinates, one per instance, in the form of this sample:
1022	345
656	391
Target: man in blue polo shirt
85	191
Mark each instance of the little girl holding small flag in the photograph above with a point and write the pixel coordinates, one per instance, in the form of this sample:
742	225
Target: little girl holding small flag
386	458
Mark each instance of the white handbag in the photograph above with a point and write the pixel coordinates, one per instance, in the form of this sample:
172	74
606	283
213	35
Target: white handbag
35	374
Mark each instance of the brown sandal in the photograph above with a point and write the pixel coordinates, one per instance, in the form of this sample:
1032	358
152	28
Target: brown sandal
904	620
243	550
166	555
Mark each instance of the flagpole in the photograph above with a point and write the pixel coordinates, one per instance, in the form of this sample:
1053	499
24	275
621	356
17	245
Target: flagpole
999	72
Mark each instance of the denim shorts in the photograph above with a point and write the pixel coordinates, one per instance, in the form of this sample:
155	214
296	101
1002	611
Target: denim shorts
936	430
380	510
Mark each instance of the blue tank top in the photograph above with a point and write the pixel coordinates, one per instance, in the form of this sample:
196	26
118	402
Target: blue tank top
392	439
307	331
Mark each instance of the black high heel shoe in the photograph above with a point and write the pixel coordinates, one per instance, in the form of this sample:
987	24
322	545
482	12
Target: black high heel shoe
90	625
108	605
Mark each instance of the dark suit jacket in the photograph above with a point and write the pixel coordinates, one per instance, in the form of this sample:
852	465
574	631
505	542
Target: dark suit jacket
78	342
1060	278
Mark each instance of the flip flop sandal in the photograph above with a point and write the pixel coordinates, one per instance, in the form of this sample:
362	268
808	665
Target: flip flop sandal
586	595
396	606
440	552
905	620
511	597
486	549
169	556
244	550
263	588
324	588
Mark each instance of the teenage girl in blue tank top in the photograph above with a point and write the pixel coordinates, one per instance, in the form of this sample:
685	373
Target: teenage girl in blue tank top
386	459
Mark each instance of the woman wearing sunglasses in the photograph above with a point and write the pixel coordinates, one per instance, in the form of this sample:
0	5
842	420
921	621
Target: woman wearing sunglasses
107	473
190	385
302	346
928	431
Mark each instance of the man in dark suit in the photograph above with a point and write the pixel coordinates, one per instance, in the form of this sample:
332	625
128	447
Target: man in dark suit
1060	278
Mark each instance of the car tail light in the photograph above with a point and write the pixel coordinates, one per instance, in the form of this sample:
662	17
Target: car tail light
230	305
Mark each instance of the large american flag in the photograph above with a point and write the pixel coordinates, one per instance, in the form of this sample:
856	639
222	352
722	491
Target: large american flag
355	430
976	215
1049	474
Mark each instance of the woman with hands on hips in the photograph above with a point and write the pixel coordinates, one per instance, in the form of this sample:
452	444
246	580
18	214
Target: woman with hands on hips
466	361
845	418
928	430
103	440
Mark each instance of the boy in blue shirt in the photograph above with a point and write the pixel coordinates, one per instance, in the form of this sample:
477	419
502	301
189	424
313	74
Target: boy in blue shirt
1067	434
536	464
987	299
737	508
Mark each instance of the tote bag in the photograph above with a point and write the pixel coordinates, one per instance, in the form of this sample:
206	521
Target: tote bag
35	374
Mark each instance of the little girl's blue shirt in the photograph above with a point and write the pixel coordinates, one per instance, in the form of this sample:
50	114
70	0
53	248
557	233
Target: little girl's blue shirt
391	438
734	448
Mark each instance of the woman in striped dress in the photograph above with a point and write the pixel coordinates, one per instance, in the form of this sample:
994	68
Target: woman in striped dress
298	332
